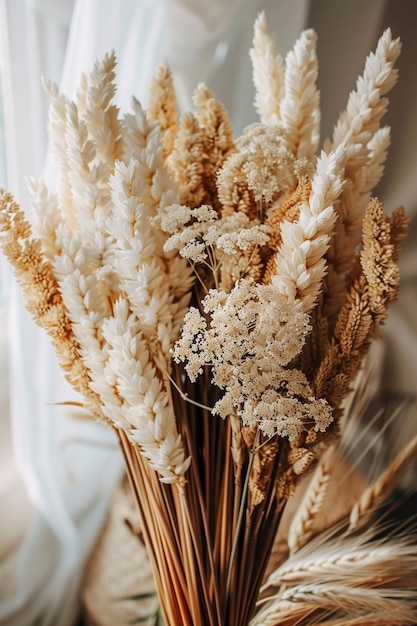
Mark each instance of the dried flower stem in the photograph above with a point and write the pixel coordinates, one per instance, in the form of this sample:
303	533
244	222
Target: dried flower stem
43	297
301	527
268	73
162	107
358	129
375	494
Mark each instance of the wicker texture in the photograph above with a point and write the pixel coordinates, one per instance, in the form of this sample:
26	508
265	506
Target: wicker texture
118	569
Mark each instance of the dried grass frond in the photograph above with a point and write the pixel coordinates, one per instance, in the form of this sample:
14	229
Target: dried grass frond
376	493
288	211
186	162
400	226
301	527
162	107
377	260
204	140
364	309
299	107
260	477
358	129
268	73
42	295
233	189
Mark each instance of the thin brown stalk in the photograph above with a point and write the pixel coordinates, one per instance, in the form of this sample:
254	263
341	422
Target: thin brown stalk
301	527
187	558
212	610
223	534
375	494
236	540
268	533
259	531
137	489
194	507
168	563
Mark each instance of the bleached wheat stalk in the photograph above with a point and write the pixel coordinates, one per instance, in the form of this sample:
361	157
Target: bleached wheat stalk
358	129
94	103
375	494
356	578
366	105
268	73
117	252
301	526
300	261
58	152
299	106
47	217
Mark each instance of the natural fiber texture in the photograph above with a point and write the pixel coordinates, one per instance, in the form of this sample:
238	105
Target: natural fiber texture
119	570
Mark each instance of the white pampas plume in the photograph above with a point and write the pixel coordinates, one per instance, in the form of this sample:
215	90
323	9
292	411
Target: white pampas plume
366	106
143	395
358	128
299	107
268	73
47	217
300	260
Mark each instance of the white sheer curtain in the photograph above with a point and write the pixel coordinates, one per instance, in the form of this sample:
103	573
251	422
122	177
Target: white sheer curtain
69	466
65	467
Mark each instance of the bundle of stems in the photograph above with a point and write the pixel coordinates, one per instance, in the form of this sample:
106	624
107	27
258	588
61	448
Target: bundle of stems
212	299
202	536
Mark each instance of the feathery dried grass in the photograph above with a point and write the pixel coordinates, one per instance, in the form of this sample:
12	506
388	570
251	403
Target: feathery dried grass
162	107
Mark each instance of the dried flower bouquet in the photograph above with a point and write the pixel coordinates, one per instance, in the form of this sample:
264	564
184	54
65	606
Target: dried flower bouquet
213	300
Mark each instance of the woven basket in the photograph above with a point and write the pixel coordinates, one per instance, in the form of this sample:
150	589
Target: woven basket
118	570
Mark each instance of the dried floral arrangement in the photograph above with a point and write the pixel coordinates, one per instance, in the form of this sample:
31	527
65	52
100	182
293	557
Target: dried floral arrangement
213	300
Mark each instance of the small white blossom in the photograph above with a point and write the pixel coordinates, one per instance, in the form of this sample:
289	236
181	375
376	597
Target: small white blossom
250	339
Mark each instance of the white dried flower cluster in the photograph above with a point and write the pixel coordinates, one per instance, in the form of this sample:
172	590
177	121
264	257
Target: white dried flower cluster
201	236
269	165
250	339
188	238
